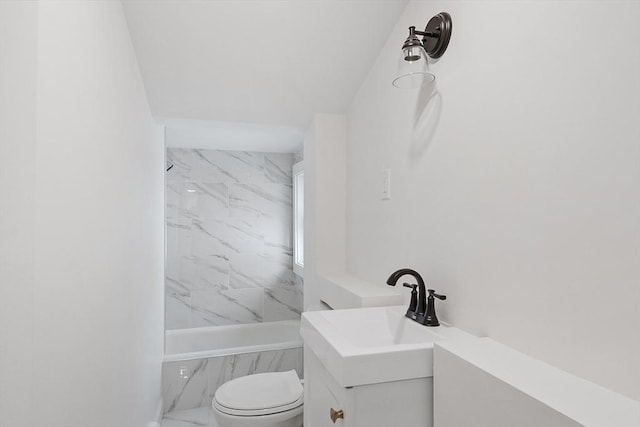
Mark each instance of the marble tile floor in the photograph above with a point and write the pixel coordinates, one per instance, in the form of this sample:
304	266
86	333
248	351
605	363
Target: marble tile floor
199	417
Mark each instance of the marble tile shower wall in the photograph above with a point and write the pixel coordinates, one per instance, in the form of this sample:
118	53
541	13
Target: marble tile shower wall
193	383
229	239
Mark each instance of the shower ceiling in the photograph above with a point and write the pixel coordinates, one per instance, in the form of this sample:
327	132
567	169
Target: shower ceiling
266	62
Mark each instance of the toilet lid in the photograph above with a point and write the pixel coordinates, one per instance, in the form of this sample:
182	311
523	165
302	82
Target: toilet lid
260	394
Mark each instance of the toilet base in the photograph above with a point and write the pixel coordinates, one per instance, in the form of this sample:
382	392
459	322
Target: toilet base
291	418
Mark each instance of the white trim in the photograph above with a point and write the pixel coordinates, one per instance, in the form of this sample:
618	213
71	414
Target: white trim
298	169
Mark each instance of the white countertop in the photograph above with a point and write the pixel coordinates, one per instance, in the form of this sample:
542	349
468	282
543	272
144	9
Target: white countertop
578	399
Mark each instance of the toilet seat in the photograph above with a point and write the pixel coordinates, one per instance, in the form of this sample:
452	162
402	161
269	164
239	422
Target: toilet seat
260	394
257	412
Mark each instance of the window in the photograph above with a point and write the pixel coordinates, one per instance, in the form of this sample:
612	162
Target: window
298	218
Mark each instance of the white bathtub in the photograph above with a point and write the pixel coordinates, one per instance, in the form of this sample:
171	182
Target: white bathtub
198	343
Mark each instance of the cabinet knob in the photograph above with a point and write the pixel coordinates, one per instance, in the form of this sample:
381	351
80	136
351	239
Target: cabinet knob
336	415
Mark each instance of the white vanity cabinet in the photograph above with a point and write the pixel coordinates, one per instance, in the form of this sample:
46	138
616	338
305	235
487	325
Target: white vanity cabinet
373	364
386	404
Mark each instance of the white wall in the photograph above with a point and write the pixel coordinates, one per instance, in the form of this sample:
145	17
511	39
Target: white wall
95	207
324	204
515	188
17	181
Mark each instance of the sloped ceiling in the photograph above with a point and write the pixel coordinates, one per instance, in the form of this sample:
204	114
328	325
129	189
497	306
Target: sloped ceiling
263	62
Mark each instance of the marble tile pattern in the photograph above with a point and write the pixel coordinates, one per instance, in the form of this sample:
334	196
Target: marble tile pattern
229	238
192	384
199	417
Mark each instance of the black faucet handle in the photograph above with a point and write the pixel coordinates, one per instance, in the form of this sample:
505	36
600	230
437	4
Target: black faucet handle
430	318
413	305
432	292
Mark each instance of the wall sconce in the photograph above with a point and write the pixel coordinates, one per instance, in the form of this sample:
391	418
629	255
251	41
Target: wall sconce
413	67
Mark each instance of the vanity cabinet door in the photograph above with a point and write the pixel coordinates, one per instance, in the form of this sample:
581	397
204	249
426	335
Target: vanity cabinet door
326	403
389	404
325	410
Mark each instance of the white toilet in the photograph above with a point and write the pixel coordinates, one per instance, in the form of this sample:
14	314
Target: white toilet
273	399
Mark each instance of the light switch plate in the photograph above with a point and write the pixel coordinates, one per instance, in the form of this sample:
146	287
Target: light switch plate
386	184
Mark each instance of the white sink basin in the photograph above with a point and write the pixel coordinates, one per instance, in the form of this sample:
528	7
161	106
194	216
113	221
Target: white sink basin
373	345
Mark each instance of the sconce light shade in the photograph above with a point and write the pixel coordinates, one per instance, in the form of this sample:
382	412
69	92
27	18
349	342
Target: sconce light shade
413	68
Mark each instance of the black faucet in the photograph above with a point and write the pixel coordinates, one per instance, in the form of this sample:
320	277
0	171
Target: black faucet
423	314
422	299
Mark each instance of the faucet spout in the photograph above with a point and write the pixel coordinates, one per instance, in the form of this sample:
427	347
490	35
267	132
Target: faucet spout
422	298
